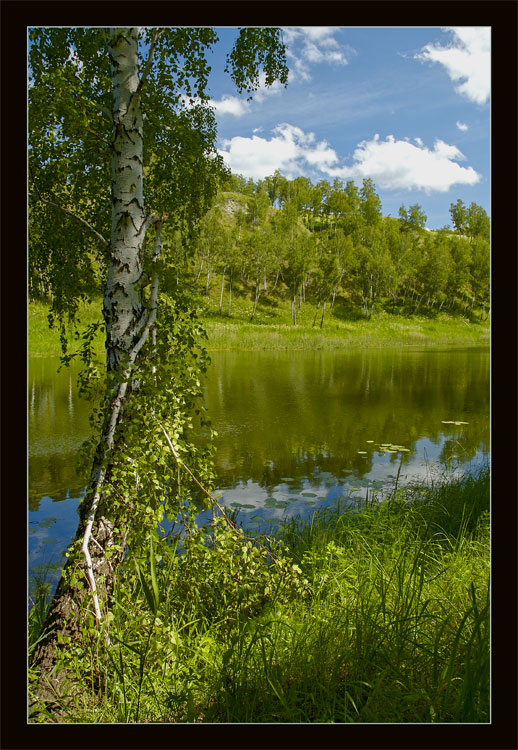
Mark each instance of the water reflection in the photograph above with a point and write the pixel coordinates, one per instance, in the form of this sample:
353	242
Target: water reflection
295	429
286	414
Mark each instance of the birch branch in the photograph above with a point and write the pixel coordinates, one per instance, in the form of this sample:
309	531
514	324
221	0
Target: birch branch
74	216
149	61
184	466
233	526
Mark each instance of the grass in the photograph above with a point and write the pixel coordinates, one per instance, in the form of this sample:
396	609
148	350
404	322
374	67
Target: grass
344	325
44	341
374	615
272	327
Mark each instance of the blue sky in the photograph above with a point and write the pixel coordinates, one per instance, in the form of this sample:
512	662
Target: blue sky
407	107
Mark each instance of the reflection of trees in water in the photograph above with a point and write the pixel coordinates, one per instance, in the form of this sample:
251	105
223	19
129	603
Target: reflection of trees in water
58	424
459	449
53	475
289	415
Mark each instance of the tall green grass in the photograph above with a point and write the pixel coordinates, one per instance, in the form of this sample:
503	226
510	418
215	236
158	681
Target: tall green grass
373	614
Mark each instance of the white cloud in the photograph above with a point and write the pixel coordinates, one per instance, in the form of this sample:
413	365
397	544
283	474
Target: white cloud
265	91
230	105
462	126
467	60
392	164
290	149
401	165
308	45
233	105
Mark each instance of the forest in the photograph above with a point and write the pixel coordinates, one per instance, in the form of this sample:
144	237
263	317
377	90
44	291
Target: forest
296	239
328	240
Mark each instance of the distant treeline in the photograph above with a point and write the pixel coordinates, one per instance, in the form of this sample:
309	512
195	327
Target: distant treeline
324	240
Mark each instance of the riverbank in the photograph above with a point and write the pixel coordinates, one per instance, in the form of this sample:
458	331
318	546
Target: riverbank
275	330
376	615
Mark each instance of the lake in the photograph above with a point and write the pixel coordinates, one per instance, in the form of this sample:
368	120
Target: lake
296	430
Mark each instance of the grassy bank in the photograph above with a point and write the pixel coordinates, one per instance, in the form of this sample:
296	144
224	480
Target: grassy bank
384	330
380	615
44	341
272	328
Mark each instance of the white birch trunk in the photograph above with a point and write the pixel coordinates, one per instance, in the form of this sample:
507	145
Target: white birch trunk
122	296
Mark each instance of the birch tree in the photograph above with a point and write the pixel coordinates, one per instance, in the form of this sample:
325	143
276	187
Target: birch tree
122	158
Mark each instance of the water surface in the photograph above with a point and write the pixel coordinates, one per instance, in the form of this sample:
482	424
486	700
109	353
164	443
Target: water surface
295	430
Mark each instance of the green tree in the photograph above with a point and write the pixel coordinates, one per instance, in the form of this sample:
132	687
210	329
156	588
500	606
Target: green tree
459	279
459	217
237	183
123	154
480	273
477	224
413	220
373	270
435	268
399	245
260	259
335	259
324	188
370	203
272	185
210	243
351	218
258	243
297	254
472	222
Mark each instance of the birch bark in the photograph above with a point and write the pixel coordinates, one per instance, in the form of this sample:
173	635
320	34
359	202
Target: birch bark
122	306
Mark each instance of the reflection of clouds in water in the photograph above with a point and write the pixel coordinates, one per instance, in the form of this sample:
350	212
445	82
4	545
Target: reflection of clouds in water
54	526
423	464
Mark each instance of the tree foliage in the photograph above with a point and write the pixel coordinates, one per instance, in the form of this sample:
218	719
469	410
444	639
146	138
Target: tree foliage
330	240
123	165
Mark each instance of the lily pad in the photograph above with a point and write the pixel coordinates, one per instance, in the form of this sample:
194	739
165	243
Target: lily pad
256	519
281	504
270	502
47	522
309	502
32	531
324	475
308	494
321	498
